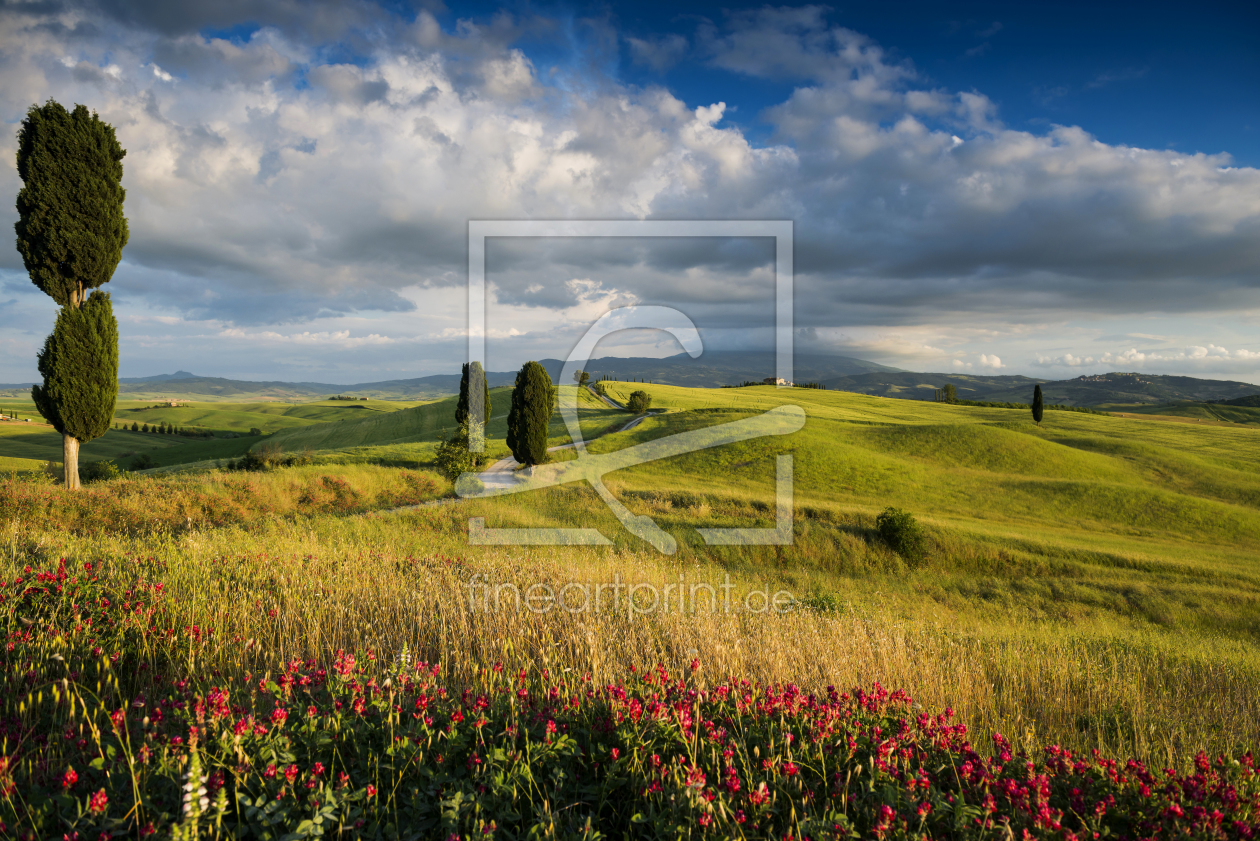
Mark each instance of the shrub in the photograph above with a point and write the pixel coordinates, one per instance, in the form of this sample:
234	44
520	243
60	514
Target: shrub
452	457
100	471
640	402
903	534
142	462
253	430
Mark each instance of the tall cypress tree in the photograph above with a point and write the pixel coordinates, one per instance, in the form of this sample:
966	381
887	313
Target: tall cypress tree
71	232
1038	407
533	400
472	374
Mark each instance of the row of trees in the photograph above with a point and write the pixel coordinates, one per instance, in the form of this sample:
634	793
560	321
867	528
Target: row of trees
71	232
164	428
949	394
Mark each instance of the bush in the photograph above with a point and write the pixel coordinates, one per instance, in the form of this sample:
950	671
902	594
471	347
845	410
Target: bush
100	471
253	430
453	459
903	535
143	462
640	402
268	457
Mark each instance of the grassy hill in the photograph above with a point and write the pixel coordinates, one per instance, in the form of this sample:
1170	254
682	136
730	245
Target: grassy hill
427	423
1093	390
1232	411
39	443
1093	580
229	422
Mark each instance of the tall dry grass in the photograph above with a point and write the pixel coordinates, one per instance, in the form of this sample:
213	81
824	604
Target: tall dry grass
305	587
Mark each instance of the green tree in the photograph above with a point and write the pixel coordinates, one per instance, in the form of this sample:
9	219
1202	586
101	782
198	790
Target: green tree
135	427
472	374
581	378
533	400
79	365
71	232
639	402
1038	408
949	393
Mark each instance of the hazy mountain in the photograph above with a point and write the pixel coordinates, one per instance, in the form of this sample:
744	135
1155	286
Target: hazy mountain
178	375
731	368
1090	390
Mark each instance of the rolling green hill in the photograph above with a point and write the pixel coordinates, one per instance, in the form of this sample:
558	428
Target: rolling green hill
42	443
1233	411
1092	390
428	422
1167	488
229	422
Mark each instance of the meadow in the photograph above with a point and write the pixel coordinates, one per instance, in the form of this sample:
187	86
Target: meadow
1091	584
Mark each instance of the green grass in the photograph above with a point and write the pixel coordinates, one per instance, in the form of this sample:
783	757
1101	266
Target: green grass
1086	564
40	442
43	443
241	417
426	424
1201	411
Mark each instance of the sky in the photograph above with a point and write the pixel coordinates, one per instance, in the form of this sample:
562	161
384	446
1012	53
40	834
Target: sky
1048	189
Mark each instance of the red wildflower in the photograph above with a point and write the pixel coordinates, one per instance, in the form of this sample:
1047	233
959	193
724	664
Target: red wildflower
98	802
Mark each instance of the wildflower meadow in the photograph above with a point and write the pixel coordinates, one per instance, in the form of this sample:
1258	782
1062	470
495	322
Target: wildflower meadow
112	727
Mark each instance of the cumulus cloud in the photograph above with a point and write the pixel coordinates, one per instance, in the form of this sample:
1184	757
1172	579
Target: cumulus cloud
1195	358
323	163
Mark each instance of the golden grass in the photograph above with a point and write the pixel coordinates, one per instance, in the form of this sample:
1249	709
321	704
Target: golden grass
305	587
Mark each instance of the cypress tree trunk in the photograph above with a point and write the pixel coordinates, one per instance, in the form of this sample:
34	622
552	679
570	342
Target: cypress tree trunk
70	460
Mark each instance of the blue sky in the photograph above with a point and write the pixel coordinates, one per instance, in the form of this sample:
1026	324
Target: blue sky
1039	188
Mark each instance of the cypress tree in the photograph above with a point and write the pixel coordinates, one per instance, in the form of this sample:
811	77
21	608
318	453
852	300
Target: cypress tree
79	364
533	399
71	232
1037	406
472	374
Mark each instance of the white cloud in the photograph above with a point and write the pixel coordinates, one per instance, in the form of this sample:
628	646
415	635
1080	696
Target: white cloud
255	201
1196	357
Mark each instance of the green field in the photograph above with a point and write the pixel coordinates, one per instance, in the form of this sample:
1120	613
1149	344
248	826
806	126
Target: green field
1092	580
426	424
229	423
1200	411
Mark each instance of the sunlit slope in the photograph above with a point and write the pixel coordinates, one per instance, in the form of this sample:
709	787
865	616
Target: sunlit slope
43	443
1088	473
428	422
1201	411
241	417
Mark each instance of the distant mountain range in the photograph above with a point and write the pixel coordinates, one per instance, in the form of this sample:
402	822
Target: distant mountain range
715	369
1090	390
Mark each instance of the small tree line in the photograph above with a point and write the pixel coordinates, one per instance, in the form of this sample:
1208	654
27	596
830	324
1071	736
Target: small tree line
163	428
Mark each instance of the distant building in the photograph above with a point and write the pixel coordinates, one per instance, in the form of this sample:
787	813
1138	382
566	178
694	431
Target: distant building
775	381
